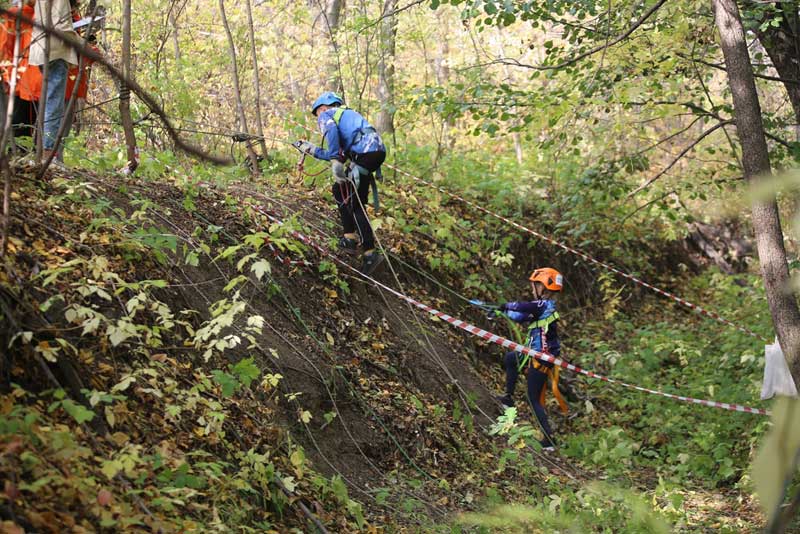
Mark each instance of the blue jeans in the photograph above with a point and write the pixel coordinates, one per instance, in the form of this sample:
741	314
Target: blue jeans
536	382
54	104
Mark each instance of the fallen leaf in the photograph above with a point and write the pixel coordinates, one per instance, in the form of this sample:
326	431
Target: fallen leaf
9	527
119	438
11	490
104	497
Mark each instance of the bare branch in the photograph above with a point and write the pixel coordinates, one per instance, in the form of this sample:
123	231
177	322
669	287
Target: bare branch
641	20
718	66
680	156
389	14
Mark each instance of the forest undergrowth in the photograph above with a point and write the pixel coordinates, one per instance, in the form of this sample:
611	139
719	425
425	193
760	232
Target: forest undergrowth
174	365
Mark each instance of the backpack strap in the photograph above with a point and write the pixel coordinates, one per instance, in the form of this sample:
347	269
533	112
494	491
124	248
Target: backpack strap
337	115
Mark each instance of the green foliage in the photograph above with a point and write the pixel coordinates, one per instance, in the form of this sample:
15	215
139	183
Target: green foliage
240	375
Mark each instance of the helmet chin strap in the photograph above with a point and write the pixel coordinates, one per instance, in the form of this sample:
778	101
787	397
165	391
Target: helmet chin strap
535	290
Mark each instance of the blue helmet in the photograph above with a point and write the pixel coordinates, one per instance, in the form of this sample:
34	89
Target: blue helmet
328	98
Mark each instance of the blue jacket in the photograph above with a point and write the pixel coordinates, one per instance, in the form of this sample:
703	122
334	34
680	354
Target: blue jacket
536	311
353	135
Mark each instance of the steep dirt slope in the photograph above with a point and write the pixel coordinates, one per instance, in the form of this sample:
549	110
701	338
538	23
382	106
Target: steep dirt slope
379	396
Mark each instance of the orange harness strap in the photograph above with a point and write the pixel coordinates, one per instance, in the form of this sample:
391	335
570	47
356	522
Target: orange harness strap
553	374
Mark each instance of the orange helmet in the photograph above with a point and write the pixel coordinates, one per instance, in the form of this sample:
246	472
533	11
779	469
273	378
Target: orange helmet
549	277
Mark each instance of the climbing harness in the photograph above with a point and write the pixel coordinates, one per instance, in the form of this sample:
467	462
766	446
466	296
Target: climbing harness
355	169
526	363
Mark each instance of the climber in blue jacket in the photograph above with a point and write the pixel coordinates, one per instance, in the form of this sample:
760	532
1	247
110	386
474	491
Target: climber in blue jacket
356	152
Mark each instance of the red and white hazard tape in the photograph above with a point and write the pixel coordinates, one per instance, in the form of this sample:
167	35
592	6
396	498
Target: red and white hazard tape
507	343
579	253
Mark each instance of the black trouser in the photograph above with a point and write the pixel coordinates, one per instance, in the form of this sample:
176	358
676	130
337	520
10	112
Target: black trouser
24	117
537	380
352	207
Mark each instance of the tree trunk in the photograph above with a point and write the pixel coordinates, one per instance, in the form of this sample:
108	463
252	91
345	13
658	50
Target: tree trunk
509	79
783	47
756	165
124	91
256	83
332	14
175	44
441	69
242	119
385	120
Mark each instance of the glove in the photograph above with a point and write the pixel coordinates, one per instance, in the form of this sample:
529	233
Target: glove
305	147
493	314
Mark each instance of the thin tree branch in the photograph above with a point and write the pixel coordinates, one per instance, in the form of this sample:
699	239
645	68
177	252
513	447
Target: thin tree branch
718	66
680	156
389	14
641	20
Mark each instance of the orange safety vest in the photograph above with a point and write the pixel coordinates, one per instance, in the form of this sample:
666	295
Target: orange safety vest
29	78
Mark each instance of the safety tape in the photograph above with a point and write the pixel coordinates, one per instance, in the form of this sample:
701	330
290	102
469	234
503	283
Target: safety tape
286	261
507	343
699	309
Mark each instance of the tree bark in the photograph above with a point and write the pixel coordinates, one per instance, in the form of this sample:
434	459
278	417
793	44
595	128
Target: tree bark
256	82
516	136
332	14
176	47
242	119
385	120
756	165
124	91
782	45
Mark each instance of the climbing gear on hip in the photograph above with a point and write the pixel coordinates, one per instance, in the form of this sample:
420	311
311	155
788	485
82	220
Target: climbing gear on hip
339	172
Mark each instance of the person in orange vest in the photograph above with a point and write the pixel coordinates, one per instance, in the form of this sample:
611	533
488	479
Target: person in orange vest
29	78
72	78
543	337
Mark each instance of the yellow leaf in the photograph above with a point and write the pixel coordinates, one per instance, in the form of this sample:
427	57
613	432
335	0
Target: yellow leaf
329	337
119	438
378	346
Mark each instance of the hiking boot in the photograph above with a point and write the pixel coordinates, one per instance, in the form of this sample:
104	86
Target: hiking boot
371	262
348	245
505	400
547	445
